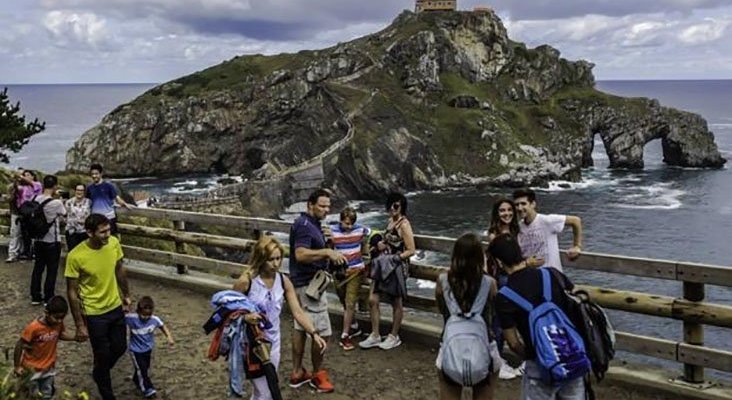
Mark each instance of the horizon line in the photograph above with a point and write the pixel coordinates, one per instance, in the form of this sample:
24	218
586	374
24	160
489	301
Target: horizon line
2	84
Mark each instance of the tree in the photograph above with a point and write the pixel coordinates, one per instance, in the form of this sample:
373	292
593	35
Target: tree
14	131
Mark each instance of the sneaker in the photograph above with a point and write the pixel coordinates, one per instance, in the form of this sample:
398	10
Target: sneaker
11	260
507	372
355	331
390	342
321	382
520	369
303	378
36	302
346	343
371	341
150	393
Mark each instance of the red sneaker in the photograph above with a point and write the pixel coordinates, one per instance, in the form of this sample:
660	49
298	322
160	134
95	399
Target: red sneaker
321	382
346	343
297	380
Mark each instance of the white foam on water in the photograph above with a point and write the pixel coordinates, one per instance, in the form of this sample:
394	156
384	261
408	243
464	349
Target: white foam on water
585	183
423	284
186	183
656	197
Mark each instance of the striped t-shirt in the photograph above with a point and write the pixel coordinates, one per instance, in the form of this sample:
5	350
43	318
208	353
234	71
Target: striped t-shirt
348	243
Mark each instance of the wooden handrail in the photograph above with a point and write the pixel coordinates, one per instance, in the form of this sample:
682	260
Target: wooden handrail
691	309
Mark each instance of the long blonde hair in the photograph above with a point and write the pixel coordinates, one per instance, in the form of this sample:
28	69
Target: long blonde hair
261	253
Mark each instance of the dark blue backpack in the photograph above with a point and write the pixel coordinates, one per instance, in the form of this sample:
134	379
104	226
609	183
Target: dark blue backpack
560	351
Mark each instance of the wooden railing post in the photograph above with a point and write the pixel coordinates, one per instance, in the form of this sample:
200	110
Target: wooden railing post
693	332
180	246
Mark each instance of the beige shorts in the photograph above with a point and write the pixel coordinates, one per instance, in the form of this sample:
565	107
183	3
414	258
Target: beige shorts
317	311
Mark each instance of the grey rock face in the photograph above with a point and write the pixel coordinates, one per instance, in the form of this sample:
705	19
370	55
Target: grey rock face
433	100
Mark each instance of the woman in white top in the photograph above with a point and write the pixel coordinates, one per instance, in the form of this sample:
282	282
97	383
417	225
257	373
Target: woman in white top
77	209
265	285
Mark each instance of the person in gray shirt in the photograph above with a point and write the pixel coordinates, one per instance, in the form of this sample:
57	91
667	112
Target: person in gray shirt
47	248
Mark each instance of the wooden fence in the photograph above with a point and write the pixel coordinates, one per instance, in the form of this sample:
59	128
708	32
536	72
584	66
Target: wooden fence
689	307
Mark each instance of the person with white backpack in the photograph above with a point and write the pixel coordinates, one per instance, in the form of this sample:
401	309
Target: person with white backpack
468	356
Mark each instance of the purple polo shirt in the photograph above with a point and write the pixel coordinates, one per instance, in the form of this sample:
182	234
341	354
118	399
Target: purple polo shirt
305	232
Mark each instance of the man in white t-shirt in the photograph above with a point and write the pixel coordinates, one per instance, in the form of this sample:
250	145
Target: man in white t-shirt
538	233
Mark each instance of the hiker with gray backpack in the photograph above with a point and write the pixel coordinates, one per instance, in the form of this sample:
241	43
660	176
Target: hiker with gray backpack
533	309
468	356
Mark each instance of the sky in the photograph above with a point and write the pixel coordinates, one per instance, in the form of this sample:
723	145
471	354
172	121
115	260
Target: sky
127	41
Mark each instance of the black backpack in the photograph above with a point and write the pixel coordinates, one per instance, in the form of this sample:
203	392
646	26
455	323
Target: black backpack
594	326
33	219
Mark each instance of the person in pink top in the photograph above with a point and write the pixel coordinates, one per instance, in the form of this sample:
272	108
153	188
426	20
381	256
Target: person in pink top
25	188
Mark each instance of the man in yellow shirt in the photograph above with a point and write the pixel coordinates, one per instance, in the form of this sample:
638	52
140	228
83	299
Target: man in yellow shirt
95	278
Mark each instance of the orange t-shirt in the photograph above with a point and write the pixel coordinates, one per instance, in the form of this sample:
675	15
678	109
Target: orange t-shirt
43	340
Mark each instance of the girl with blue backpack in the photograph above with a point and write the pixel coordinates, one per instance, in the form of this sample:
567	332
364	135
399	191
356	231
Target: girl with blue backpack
467	357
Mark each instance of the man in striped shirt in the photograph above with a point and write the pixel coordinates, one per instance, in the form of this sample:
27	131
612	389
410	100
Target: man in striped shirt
349	239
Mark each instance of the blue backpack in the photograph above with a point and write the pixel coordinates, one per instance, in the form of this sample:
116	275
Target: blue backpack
560	351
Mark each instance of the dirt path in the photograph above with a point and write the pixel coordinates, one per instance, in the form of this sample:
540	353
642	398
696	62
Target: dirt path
183	372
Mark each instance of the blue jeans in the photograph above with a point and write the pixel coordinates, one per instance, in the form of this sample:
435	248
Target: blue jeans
533	388
108	337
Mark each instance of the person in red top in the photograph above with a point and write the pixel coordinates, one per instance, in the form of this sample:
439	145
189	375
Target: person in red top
35	351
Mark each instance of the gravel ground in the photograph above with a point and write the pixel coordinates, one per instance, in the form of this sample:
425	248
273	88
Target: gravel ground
183	372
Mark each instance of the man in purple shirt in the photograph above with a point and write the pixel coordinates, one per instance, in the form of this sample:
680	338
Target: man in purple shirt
308	255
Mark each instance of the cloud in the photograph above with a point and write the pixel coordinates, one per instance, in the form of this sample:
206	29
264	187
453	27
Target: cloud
560	9
273	19
707	31
71	28
159	40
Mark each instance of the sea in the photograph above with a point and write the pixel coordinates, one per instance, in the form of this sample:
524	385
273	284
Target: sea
661	212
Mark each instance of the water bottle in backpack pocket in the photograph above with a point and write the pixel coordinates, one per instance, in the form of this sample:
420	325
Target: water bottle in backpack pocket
560	351
465	351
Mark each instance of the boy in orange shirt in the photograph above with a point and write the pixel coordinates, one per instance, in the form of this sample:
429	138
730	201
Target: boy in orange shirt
36	349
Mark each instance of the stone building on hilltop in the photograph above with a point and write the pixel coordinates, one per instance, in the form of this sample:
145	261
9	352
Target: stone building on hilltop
435	5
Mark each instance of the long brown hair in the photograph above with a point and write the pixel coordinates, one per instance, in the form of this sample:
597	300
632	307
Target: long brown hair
261	253
495	225
466	270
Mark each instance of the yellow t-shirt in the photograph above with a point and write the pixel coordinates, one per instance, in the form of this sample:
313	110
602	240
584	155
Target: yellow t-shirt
95	271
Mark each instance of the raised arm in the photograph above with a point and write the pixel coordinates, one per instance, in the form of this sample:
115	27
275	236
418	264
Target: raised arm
576	224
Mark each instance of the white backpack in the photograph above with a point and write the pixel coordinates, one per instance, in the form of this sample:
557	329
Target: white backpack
465	348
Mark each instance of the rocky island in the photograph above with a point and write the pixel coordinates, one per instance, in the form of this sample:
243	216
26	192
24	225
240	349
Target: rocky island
434	100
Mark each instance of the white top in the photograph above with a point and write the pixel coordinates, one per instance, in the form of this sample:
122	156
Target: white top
271	301
53	211
539	239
